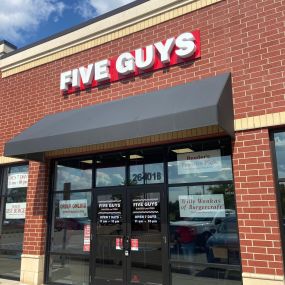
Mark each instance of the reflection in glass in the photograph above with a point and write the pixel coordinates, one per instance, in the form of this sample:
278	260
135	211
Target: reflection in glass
200	162
69	270
12	228
10	264
146	260
109	260
146	166
194	223
112	176
109	239
203	230
12	234
145	244
282	196
185	274
146	174
69	223
279	139
74	175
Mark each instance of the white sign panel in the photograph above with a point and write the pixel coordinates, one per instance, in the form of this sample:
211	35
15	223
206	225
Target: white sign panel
202	206
201	161
73	208
15	211
18	180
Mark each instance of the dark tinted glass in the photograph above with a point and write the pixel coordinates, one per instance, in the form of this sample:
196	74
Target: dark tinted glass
72	220
109	214
74	175
111	170
10	262
69	270
282	196
183	273
279	139
145	214
146	166
13	207
200	162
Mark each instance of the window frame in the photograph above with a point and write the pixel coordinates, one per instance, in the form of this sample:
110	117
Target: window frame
164	148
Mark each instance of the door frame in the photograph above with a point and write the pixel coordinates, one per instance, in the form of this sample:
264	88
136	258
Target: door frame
126	196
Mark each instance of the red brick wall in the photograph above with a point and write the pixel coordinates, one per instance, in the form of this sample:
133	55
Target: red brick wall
256	204
36	211
244	37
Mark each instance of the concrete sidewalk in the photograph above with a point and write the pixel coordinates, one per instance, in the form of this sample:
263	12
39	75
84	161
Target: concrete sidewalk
9	282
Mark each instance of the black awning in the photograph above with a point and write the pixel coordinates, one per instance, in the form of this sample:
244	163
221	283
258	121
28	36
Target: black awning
197	104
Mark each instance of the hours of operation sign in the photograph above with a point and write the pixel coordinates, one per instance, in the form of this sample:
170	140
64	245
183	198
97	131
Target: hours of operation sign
18	180
109	212
145	211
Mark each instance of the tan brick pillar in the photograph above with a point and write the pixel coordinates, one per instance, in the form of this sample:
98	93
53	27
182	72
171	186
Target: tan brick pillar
259	232
32	266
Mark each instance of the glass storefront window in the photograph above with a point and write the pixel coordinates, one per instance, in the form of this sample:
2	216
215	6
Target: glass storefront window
279	143
279	139
69	270
74	174
72	219
111	170
202	219
113	176
130	220
146	167
203	234
13	207
200	162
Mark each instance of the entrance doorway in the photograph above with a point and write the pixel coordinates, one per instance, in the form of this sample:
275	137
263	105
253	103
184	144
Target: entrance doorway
129	243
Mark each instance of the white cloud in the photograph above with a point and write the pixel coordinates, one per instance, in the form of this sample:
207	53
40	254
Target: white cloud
19	18
90	8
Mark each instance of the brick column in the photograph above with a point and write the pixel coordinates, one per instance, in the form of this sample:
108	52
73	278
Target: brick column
260	241
32	266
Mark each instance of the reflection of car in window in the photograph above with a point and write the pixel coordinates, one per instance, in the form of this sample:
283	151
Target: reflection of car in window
70	224
198	229
223	246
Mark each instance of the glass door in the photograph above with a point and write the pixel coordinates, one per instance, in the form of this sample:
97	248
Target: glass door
145	236
129	247
110	230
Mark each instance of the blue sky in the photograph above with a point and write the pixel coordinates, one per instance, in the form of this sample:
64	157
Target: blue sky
26	21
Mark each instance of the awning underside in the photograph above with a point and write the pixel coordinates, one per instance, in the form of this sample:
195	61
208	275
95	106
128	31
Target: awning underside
197	104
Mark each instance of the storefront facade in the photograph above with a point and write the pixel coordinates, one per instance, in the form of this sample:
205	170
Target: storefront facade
147	146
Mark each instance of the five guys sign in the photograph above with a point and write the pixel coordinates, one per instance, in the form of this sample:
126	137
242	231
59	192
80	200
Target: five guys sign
162	54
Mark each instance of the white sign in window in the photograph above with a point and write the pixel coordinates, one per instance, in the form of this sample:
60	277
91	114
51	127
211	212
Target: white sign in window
73	208
201	206
15	211
17	180
199	162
